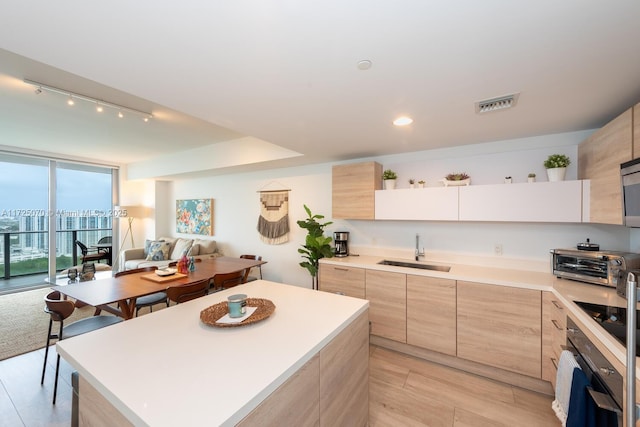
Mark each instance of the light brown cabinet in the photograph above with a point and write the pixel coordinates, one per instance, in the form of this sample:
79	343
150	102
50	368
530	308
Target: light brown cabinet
342	280
554	335
387	295
353	190
636	131
500	326
599	159
431	313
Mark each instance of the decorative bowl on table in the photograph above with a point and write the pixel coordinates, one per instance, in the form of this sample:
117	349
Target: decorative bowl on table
166	271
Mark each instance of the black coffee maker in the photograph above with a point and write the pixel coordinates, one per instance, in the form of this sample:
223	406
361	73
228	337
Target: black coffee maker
341	239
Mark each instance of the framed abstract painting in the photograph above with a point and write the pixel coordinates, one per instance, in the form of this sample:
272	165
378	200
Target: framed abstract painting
194	216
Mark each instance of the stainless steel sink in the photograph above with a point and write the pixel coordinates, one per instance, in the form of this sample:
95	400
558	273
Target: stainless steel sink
444	268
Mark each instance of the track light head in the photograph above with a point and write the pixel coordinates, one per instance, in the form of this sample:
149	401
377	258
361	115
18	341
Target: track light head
70	101
38	91
120	114
99	108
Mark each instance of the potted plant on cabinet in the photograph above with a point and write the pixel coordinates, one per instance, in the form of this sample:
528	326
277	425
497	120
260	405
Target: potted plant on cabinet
556	165
531	177
316	245
456	179
389	177
412	183
421	184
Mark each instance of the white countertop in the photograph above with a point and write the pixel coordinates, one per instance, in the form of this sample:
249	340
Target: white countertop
567	291
167	368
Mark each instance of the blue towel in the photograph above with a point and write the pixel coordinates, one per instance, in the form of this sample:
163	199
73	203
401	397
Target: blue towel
583	411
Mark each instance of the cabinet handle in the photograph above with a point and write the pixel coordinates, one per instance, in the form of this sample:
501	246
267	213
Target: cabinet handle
555	363
340	269
556	324
557	304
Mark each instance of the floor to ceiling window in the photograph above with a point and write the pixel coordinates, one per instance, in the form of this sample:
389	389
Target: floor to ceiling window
36	218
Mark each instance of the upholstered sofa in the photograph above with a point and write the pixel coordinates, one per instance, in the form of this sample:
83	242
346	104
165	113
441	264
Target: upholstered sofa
162	251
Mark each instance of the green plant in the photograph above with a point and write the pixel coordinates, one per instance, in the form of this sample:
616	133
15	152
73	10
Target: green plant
557	161
412	181
457	176
316	245
421	182
531	175
389	174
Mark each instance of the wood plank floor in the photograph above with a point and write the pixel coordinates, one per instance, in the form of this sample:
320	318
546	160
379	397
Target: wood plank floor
404	391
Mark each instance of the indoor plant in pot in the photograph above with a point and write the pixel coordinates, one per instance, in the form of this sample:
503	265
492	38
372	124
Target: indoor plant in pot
389	177
556	165
316	245
456	179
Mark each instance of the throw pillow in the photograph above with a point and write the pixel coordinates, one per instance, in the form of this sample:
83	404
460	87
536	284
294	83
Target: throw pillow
181	247
148	243
158	251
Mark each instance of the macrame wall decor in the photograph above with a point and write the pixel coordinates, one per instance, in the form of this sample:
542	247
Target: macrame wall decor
273	223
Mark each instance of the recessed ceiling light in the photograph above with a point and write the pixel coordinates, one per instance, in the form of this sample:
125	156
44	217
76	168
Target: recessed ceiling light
403	121
365	64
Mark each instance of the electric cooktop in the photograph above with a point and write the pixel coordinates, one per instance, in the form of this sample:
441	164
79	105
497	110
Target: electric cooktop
611	319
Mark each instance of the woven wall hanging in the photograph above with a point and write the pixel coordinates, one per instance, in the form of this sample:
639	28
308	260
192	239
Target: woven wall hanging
273	223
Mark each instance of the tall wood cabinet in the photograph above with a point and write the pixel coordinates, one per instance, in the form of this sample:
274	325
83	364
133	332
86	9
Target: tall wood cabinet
353	190
599	159
387	295
500	326
431	313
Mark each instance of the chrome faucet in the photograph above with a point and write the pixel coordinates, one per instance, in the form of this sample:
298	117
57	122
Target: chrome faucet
418	253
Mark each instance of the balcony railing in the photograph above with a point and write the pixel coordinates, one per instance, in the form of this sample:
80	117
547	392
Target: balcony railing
25	253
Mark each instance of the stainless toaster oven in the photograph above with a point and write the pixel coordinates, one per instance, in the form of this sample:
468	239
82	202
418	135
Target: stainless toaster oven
597	267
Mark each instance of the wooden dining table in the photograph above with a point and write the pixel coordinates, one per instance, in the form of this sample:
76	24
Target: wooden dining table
124	290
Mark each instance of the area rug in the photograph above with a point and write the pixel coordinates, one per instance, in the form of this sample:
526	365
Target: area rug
24	324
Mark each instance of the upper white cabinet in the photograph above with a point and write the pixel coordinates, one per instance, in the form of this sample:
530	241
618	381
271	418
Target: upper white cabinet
564	201
434	204
536	202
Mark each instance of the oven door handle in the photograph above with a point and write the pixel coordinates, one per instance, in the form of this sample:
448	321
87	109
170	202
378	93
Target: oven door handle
604	401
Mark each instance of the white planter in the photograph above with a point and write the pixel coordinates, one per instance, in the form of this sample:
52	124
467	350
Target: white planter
412	186
421	185
556	174
389	184
531	179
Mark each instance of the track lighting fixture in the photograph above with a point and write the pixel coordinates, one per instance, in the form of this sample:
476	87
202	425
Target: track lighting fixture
100	103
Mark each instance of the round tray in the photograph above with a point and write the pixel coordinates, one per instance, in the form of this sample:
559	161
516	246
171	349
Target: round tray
210	315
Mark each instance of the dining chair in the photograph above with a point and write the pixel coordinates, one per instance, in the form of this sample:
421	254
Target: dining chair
256	258
58	310
223	281
184	293
147	300
88	255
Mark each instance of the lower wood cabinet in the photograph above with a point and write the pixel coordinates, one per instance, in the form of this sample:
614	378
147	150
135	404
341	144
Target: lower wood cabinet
500	326
554	335
342	280
431	313
387	295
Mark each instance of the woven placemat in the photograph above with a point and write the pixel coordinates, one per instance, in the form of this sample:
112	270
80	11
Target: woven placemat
264	309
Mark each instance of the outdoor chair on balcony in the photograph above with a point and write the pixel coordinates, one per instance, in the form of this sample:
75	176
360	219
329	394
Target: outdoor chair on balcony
88	255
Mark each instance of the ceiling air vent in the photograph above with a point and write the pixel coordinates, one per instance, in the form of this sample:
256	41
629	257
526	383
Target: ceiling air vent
496	104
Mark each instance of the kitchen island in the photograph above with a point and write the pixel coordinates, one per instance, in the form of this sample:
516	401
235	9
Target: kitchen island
306	364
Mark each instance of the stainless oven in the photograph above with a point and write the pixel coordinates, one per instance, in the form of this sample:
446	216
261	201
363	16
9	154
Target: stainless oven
630	174
606	387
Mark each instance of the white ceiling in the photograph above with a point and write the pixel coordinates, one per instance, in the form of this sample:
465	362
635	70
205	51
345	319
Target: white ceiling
285	73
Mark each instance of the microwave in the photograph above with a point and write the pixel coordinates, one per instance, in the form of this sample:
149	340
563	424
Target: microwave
630	174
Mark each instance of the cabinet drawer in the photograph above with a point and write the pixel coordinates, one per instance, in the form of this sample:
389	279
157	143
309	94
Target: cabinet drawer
344	280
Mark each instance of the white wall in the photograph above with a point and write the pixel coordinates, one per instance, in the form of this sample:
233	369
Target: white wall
236	208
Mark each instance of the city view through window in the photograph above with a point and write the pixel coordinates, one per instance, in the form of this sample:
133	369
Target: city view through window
83	204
